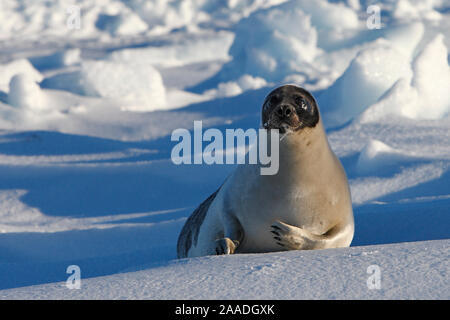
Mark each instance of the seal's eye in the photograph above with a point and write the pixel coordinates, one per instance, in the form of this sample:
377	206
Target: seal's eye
299	101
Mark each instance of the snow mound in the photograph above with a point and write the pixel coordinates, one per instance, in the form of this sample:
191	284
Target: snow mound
285	39
374	70
98	18
121	24
198	49
234	88
58	59
63	18
405	37
328	15
9	70
377	155
416	9
24	92
430	65
425	96
137	83
166	15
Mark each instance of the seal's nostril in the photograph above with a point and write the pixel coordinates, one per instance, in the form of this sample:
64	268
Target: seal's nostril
287	113
280	111
284	111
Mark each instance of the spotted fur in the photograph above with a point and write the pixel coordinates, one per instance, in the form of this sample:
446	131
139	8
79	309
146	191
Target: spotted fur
189	233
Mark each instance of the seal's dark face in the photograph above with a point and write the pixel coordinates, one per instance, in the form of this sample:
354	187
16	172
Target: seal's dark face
289	108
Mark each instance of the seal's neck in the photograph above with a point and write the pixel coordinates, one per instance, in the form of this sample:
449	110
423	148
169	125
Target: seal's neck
304	151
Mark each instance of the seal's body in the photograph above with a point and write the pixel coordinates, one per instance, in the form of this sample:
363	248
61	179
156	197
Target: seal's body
306	205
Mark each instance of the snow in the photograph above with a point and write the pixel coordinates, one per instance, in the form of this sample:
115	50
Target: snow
284	40
24	92
376	155
8	70
322	274
328	15
88	103
233	88
207	47
370	74
143	85
407	9
420	97
121	24
58	59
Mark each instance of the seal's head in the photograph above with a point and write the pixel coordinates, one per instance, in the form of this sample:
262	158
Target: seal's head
289	108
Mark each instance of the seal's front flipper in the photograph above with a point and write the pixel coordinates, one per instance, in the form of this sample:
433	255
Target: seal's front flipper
226	246
233	234
288	237
294	238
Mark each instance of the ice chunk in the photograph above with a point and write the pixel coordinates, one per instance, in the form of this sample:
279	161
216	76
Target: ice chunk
285	39
23	66
233	88
138	83
327	15
164	15
377	155
370	74
405	37
24	92
247	82
416	9
168	14
432	78
426	96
